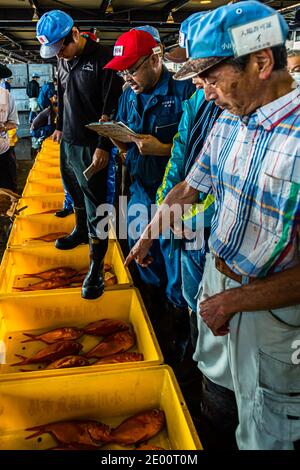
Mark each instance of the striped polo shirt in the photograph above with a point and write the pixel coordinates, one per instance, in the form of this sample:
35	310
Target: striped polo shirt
252	166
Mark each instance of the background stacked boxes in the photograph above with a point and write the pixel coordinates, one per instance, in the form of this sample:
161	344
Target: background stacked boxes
105	392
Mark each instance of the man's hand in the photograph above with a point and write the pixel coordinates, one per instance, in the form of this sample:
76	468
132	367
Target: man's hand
100	159
139	253
57	136
150	145
215	313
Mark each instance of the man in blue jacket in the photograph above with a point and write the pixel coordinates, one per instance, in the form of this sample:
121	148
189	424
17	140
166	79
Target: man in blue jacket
47	91
151	106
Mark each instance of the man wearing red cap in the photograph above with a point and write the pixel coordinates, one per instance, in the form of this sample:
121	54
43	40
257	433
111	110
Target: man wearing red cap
151	106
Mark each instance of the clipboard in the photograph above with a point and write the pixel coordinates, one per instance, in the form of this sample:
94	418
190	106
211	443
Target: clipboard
113	129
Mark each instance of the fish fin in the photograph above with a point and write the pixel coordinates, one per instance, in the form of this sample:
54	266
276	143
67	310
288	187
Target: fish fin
39	430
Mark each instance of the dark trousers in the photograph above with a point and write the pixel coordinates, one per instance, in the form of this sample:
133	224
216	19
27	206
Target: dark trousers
74	159
8	171
218	407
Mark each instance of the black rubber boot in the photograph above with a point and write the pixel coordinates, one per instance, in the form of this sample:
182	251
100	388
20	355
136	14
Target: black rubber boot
64	212
93	285
78	235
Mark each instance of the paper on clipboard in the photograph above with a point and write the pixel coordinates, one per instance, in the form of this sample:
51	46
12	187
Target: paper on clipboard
112	129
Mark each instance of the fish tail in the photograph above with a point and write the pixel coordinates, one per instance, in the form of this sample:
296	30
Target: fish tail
22	363
39	430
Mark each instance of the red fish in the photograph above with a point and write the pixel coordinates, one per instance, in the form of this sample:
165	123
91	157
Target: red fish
53	273
83	433
141	427
122	357
54	283
148	447
52	336
110	279
116	343
105	327
68	361
50	353
49	237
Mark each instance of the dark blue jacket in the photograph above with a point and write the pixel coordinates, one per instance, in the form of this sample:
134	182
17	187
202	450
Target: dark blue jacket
160	118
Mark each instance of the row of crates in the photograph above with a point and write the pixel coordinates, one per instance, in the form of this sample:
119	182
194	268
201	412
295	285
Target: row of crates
107	392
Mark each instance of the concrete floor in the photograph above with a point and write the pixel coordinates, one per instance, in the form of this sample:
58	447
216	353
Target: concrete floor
24	164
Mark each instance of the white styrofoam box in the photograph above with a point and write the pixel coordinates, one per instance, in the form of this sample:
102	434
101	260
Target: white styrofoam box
23	119
19	81
19	93
22	105
41	69
23	132
18	69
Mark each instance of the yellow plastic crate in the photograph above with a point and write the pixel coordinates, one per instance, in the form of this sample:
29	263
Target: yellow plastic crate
45	164
26	227
109	397
36	258
49	151
40	204
47	159
46	172
36	313
43	186
50	144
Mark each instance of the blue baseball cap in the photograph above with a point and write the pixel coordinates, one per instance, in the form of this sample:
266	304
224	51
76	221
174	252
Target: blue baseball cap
151	30
35	75
51	30
178	54
210	40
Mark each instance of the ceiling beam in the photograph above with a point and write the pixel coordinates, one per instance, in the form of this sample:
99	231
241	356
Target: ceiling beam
174	5
103	7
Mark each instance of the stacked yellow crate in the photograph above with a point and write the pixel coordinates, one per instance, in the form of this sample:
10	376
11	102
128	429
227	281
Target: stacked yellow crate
105	392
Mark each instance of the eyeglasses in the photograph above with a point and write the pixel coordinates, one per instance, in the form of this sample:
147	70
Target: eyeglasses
133	71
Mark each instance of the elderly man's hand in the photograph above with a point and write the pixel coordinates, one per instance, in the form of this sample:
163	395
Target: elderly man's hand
100	159
139	253
150	145
215	314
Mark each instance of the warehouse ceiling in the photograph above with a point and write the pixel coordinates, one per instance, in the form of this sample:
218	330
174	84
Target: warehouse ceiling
109	17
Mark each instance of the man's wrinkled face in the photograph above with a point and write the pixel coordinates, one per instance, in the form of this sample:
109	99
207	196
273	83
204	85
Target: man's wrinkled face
230	88
140	76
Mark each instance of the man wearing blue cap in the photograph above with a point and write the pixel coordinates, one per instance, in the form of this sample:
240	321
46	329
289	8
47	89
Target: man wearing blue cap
152	107
251	164
33	90
85	93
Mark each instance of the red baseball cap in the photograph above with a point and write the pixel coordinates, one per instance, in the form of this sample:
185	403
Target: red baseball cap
130	47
